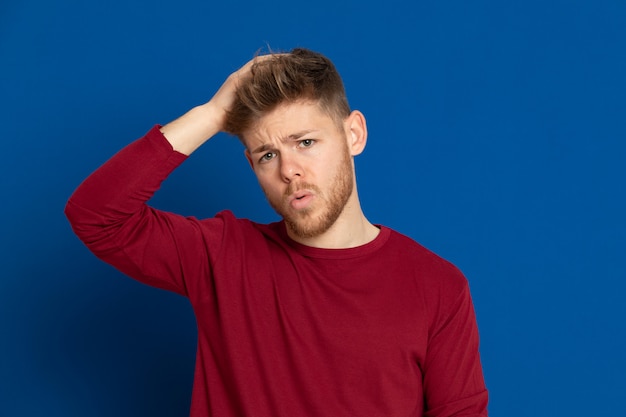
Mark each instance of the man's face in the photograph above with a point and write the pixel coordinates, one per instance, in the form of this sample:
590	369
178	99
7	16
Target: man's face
301	159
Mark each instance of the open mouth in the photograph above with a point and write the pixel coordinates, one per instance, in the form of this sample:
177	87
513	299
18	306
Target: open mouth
300	195
301	200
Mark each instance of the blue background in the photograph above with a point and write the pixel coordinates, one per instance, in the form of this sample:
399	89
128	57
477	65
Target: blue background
497	133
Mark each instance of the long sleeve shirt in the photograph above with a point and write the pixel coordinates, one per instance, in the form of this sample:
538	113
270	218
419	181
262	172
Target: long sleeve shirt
386	329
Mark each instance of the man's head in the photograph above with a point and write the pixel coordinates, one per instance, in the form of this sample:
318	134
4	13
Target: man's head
291	113
300	75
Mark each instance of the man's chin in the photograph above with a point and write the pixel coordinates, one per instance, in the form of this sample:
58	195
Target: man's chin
307	223
306	228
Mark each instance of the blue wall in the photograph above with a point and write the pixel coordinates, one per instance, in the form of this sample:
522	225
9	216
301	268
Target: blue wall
497	139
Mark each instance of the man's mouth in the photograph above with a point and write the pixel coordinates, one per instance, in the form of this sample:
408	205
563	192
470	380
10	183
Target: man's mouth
301	199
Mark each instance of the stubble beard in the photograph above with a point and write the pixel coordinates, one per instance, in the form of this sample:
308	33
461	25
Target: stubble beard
305	223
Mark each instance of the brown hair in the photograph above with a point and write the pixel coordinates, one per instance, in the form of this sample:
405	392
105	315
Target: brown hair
300	75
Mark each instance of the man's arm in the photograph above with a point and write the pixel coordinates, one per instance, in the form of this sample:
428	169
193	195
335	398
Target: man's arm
108	211
453	377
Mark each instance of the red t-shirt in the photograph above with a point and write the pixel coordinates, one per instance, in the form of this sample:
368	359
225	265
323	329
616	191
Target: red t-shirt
385	329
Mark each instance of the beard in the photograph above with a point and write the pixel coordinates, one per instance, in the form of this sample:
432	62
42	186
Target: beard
306	223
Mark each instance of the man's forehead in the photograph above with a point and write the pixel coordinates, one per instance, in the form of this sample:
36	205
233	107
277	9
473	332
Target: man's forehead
288	121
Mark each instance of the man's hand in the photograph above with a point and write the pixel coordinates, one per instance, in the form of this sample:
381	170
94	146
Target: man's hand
201	123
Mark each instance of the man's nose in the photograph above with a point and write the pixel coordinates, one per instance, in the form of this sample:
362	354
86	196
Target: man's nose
290	168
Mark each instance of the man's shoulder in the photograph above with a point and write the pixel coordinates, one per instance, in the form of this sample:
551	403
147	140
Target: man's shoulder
420	258
407	244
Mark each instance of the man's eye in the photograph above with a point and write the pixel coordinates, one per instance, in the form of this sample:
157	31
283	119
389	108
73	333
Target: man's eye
305	143
267	157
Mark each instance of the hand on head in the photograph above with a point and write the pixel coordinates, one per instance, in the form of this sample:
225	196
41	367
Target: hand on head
201	123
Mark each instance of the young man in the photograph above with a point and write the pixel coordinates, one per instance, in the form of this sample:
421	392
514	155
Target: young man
321	314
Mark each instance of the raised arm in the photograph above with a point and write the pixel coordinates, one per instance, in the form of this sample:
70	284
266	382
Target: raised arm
108	211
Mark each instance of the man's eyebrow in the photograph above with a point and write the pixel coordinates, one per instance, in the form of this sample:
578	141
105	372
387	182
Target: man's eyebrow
298	135
262	148
293	136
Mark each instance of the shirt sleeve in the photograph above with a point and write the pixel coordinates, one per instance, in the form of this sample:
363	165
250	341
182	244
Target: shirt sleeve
453	379
108	212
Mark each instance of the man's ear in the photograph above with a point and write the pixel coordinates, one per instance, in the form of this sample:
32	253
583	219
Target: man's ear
356	132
